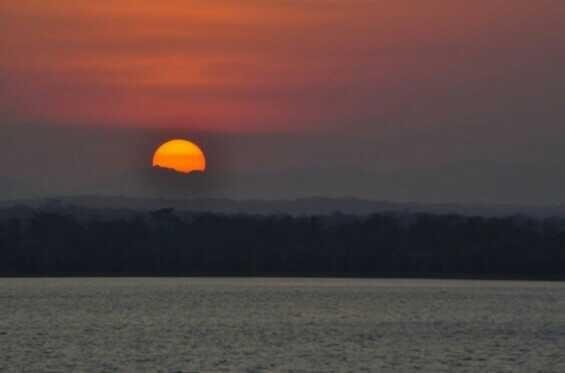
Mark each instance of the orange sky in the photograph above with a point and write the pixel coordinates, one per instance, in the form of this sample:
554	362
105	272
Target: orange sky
270	65
413	100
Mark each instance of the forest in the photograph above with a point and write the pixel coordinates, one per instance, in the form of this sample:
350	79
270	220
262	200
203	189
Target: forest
169	243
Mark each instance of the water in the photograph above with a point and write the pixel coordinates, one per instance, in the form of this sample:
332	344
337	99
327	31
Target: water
169	325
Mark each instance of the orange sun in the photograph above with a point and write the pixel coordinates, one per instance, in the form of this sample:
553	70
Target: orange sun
181	156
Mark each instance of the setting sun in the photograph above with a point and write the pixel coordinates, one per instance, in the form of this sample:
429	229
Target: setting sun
181	156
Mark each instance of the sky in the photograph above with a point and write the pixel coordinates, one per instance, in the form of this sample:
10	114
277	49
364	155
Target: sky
435	101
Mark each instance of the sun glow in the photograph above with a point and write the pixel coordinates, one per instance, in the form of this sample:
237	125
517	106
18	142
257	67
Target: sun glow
181	156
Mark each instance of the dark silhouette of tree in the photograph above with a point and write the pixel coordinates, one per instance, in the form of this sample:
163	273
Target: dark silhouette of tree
166	242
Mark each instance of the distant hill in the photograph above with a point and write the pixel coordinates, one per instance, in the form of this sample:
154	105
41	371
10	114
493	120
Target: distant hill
303	206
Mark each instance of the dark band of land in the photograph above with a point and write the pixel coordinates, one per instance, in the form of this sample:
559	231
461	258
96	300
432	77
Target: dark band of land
169	243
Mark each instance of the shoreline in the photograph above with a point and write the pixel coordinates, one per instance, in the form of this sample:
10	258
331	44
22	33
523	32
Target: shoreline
391	276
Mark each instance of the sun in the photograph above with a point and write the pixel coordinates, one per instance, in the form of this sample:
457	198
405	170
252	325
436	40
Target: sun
181	156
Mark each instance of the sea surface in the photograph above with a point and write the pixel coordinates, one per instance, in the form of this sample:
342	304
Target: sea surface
280	325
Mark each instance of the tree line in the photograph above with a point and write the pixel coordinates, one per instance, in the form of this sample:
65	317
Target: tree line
168	243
